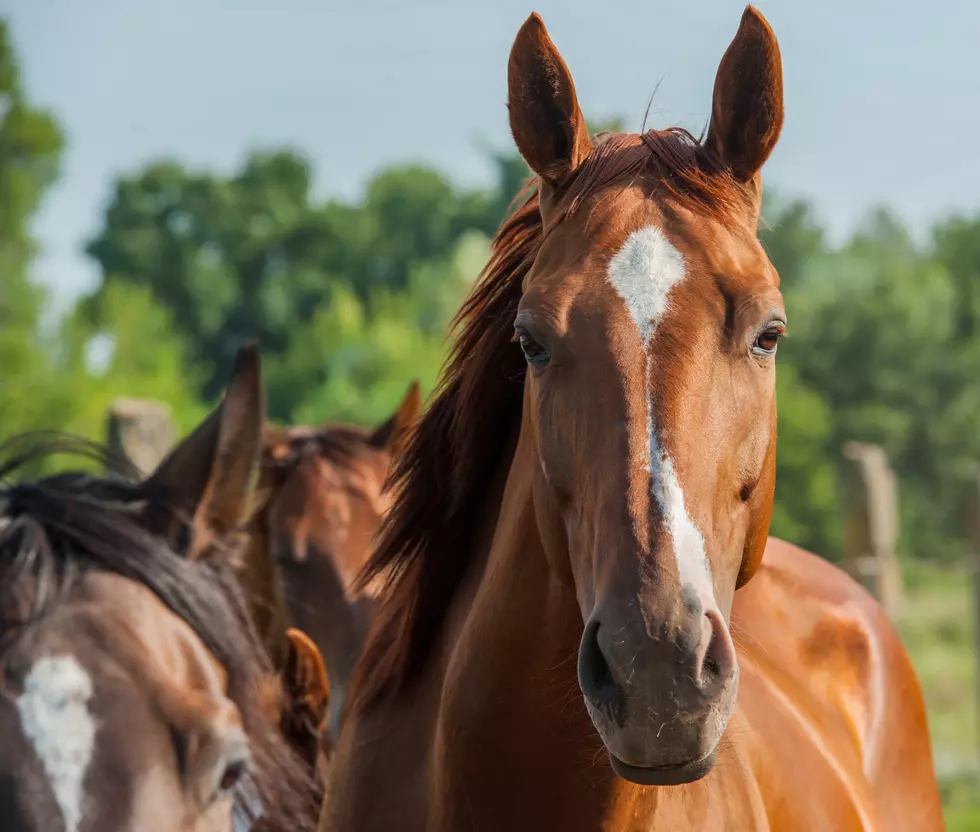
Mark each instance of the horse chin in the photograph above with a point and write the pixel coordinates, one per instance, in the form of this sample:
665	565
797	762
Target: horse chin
664	775
647	760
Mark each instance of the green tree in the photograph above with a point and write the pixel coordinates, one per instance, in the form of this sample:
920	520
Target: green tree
363	360
230	258
807	508
253	256
30	151
413	210
873	328
791	236
957	247
130	349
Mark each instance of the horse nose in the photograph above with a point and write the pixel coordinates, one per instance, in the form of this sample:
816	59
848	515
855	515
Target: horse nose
714	662
620	665
595	677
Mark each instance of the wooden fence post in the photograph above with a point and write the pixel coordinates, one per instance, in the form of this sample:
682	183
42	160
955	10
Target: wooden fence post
871	526
141	431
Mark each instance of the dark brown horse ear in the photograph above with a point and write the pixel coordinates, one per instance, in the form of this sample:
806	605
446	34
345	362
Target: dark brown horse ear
305	695
305	676
545	117
390	435
747	111
209	475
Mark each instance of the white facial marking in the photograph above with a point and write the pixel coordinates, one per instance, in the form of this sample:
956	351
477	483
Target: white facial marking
643	272
54	717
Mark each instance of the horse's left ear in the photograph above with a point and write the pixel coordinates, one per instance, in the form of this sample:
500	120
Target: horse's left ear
208	477
389	435
305	695
747	111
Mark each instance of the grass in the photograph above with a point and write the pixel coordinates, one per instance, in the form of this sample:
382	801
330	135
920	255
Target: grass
961	803
936	626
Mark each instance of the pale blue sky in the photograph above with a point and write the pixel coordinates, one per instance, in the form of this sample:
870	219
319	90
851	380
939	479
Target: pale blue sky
883	98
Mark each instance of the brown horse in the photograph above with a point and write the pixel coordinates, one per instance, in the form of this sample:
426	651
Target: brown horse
133	688
321	501
591	484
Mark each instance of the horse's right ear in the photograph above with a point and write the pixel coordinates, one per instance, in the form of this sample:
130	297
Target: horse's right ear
545	117
207	479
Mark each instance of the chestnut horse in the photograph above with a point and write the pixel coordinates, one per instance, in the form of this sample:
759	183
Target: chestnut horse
320	501
135	692
556	647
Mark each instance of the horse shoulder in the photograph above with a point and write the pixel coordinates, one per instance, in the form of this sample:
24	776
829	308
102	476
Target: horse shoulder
824	646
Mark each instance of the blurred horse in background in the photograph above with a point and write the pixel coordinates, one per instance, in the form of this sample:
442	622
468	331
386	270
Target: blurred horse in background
320	501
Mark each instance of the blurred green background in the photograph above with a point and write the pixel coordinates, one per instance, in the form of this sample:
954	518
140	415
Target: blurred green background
351	299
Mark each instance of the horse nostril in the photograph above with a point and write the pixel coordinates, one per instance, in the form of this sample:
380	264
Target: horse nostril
595	677
716	653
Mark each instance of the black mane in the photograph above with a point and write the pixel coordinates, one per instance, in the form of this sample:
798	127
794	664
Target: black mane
55	528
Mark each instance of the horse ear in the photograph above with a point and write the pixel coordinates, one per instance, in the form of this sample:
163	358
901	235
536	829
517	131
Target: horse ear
305	694
548	126
747	111
389	435
304	676
209	475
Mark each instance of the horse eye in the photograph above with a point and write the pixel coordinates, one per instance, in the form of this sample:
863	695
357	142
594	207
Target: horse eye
767	341
534	353
233	773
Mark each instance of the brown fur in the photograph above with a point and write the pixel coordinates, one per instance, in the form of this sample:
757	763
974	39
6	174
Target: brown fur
321	500
478	404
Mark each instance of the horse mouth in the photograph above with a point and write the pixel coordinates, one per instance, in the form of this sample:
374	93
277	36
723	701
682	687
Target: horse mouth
664	775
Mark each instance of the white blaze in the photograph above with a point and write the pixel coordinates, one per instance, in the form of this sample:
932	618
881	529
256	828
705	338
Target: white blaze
55	719
643	272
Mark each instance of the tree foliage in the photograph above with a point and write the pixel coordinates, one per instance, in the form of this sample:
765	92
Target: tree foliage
30	150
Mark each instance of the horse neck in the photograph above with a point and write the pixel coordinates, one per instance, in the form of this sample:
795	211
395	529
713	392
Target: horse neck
337	623
511	708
